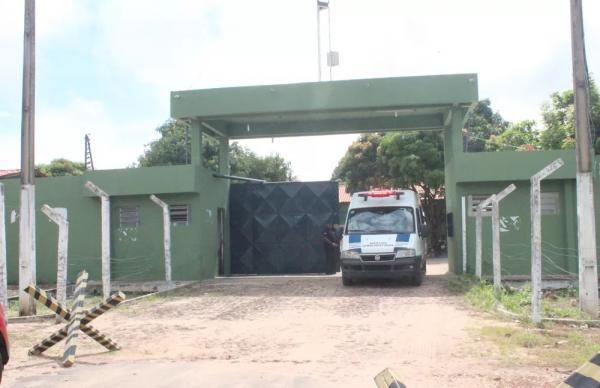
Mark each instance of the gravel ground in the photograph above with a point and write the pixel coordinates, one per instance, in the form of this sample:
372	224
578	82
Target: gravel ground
296	331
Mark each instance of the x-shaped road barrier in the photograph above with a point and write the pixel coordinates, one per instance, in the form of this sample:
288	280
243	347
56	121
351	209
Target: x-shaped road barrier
387	379
76	318
587	376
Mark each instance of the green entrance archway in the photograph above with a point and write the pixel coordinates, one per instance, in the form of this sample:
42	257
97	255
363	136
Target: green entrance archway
439	102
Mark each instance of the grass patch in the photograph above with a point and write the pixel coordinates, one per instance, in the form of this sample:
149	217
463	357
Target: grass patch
13	306
559	347
480	294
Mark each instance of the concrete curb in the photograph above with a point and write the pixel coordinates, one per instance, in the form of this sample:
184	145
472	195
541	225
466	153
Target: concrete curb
567	321
31	318
162	292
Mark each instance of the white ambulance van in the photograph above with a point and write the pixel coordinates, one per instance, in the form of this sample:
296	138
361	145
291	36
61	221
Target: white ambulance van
384	237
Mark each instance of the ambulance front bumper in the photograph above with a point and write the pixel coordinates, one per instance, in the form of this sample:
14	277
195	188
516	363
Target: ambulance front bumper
391	268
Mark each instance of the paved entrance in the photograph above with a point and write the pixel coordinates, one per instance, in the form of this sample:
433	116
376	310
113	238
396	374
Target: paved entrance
283	331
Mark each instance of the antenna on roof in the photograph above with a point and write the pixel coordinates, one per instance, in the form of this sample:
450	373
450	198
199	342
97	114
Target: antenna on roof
89	162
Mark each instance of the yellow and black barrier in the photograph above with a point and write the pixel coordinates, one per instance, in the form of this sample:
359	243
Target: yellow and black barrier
48	301
75	321
387	379
587	376
84	326
85	318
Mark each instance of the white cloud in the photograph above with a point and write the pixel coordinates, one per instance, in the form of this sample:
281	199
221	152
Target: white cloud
60	133
520	53
312	157
520	49
56	19
189	44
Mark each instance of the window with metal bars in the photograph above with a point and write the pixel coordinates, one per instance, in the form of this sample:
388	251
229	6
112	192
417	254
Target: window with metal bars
475	200
550	203
180	214
129	217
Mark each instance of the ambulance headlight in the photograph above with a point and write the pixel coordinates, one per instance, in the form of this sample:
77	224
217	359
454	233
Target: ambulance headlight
405	253
351	254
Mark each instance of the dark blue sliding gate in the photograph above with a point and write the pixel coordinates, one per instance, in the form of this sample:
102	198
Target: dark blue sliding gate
276	228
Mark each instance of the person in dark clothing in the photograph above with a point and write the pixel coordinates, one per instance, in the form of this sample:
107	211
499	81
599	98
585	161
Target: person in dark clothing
339	233
331	240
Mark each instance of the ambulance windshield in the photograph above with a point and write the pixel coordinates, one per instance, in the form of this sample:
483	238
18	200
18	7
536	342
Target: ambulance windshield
381	220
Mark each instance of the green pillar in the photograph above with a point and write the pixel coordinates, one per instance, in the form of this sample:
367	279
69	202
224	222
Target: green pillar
196	139
453	147
224	168
224	155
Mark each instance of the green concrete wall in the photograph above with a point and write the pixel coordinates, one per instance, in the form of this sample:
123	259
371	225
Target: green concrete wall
486	173
515	239
136	253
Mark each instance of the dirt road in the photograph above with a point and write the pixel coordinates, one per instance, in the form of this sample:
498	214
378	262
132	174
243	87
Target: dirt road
282	332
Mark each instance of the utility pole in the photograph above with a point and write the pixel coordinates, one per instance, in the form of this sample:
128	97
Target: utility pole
89	161
321	5
27	261
586	220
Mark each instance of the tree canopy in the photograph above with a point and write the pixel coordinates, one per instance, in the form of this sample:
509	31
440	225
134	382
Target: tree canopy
174	147
482	124
559	120
360	167
488	131
170	149
412	160
519	136
272	168
416	159
60	167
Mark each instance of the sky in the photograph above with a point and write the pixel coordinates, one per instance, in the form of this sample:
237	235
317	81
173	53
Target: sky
106	67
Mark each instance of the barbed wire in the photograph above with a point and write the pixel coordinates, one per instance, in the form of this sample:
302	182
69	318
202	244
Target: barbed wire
552	255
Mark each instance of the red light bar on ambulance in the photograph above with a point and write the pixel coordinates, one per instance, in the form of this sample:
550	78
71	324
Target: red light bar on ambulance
381	194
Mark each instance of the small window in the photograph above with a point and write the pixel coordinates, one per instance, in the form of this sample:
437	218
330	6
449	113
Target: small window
550	204
475	200
129	217
180	214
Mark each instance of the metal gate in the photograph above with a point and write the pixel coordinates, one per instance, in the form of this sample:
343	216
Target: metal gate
276	228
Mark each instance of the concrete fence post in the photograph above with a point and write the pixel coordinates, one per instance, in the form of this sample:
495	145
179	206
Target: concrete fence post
464	233
496	258
27	248
478	238
3	274
105	235
166	237
59	217
536	238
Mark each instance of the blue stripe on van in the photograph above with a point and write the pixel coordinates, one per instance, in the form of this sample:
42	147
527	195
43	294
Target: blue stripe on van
354	238
403	237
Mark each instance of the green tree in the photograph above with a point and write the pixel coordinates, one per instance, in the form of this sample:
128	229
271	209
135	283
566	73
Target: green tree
412	160
482	124
359	168
272	168
519	136
415	160
60	167
559	120
173	149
